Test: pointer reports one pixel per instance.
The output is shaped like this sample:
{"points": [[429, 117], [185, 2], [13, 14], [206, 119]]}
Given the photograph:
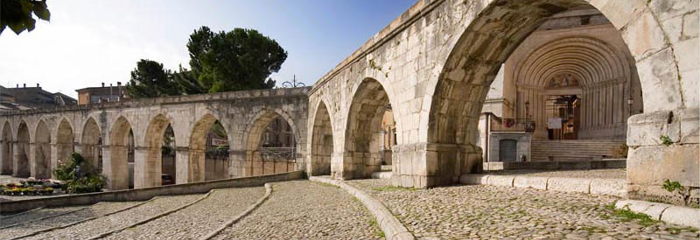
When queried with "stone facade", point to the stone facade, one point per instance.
{"points": [[34, 142], [434, 66]]}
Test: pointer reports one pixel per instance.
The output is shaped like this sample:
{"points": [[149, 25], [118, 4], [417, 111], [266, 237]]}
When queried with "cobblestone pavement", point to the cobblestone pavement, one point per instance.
{"points": [[491, 212], [104, 224], [34, 214], [83, 213], [199, 219], [595, 173], [306, 210]]}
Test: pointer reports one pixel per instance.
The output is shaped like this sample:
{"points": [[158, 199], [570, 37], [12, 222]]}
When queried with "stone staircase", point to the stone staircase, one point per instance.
{"points": [[385, 173], [573, 150]]}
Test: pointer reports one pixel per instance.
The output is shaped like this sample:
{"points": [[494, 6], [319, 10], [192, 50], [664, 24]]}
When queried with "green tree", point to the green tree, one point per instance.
{"points": [[150, 79], [17, 14], [187, 82], [241, 59]]}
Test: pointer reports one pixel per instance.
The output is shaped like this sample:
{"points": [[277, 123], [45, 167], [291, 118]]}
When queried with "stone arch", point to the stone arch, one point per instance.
{"points": [[471, 66], [91, 142], [21, 164], [6, 149], [363, 134], [321, 141], [196, 167], [42, 151], [149, 172], [117, 168], [255, 164], [64, 141]]}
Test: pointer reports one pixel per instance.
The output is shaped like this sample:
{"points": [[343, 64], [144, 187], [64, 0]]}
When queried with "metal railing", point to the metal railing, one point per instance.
{"points": [[278, 154]]}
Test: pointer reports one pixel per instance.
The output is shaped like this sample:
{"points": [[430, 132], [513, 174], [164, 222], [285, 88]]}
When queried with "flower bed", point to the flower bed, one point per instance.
{"points": [[31, 187]]}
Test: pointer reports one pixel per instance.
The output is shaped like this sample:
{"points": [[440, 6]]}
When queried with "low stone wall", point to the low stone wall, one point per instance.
{"points": [[145, 193], [561, 165], [613, 187]]}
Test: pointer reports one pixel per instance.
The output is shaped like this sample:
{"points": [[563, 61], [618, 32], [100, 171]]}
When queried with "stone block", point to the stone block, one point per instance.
{"points": [[690, 126], [682, 216], [646, 129], [686, 53], [613, 187], [531, 182], [654, 210], [651, 165], [497, 180], [580, 185], [665, 9], [690, 25], [643, 35], [474, 179], [691, 88], [658, 72]]}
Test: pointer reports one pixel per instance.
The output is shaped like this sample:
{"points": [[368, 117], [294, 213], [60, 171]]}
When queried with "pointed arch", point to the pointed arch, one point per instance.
{"points": [[151, 170], [197, 167], [64, 141], [6, 150], [91, 143], [21, 164], [117, 168], [321, 141], [281, 156], [41, 163]]}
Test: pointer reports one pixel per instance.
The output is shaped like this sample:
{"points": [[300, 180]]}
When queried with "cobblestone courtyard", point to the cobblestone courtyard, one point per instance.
{"points": [[490, 212], [309, 210]]}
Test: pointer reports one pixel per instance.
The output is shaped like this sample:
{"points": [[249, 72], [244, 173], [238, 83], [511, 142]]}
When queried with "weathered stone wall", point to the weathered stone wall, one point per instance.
{"points": [[190, 117], [436, 62]]}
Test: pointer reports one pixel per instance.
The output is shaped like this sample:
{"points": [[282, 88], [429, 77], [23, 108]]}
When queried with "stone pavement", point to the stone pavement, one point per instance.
{"points": [[306, 210], [491, 212], [197, 220], [98, 226]]}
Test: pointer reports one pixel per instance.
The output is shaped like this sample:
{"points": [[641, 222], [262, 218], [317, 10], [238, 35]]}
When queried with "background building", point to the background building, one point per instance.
{"points": [[22, 98], [95, 95]]}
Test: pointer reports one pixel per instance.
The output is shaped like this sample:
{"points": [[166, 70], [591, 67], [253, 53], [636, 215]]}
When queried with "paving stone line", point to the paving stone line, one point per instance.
{"points": [[20, 214], [612, 187], [43, 218], [82, 221], [392, 227], [153, 217], [268, 192]]}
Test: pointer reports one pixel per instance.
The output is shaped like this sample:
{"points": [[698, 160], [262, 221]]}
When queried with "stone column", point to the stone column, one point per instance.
{"points": [[115, 167], [147, 167]]}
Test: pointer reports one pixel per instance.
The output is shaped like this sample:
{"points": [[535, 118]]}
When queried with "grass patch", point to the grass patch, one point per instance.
{"points": [[393, 189], [379, 231], [627, 215]]}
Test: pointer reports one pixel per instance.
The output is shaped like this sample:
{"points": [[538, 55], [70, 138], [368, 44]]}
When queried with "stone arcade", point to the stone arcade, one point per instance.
{"points": [[433, 68]]}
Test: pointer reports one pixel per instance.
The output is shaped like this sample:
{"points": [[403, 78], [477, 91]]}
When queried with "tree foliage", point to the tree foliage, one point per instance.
{"points": [[241, 59], [17, 14], [149, 79]]}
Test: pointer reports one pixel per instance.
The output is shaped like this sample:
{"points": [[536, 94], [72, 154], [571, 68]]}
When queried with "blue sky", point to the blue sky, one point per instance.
{"points": [[89, 42]]}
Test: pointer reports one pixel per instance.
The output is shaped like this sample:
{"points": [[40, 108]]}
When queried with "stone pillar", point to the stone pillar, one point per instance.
{"points": [[432, 164], [147, 167], [116, 167], [650, 162], [237, 163], [196, 171], [182, 167], [55, 161]]}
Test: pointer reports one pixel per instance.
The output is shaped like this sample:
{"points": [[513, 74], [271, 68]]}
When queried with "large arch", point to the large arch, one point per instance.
{"points": [[6, 149], [196, 167], [148, 171], [21, 151], [41, 163], [90, 144], [470, 69], [321, 142], [117, 168], [363, 135], [64, 142], [258, 160]]}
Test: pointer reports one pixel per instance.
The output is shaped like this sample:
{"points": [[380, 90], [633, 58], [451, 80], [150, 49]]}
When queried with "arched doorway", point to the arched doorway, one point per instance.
{"points": [[118, 170], [271, 145], [561, 68], [208, 151], [65, 142], [369, 119], [321, 142], [91, 144], [6, 149], [42, 151], [151, 171], [21, 165]]}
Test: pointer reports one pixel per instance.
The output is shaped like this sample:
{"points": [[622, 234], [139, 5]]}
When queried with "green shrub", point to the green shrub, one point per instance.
{"points": [[79, 176], [666, 140], [672, 186]]}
